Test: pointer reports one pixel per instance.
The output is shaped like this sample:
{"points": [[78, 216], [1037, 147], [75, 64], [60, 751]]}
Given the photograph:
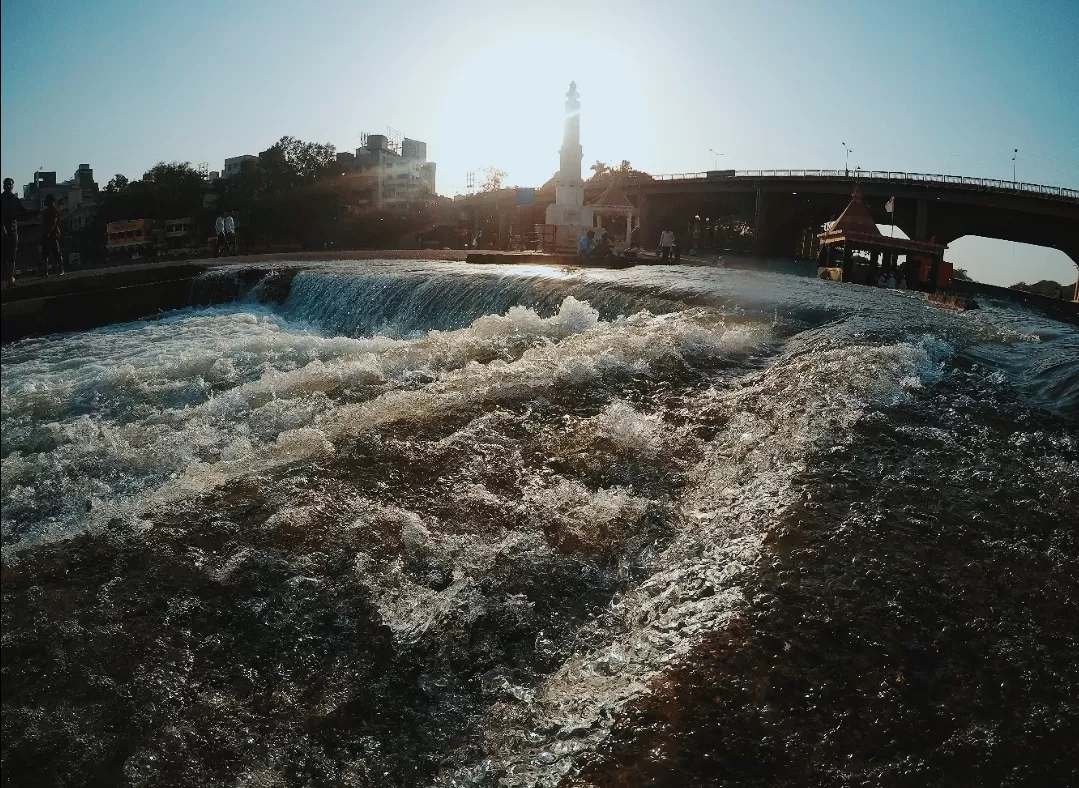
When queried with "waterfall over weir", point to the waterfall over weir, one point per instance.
{"points": [[405, 523]]}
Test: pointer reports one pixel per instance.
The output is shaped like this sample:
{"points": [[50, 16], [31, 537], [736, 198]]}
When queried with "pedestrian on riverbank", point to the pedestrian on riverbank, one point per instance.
{"points": [[666, 237], [676, 250], [219, 231], [50, 238], [230, 232], [11, 210]]}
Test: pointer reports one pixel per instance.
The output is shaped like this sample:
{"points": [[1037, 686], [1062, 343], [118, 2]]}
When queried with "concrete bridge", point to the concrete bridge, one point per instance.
{"points": [[784, 206]]}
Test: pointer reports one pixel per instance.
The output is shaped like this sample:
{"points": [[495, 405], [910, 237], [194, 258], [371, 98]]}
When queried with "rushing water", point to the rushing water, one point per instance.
{"points": [[431, 524]]}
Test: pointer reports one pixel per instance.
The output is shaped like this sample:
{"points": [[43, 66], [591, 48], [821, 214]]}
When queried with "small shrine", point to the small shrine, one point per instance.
{"points": [[614, 212], [855, 231]]}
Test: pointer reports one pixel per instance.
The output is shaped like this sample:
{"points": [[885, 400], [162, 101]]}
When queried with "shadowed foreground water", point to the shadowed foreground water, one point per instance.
{"points": [[419, 524]]}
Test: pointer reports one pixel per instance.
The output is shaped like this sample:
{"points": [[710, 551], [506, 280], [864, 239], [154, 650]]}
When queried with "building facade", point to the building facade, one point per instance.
{"points": [[233, 166], [402, 177], [129, 236]]}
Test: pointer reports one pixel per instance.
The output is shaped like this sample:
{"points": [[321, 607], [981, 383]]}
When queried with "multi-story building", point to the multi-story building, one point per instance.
{"points": [[235, 165], [129, 236], [403, 177], [44, 184], [76, 197], [84, 179], [178, 234]]}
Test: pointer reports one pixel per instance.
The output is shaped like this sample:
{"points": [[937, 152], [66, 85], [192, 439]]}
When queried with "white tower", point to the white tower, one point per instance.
{"points": [[568, 213]]}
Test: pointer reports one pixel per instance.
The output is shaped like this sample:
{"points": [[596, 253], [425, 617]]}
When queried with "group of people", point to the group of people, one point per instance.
{"points": [[591, 246], [11, 211], [603, 246], [893, 279], [225, 228]]}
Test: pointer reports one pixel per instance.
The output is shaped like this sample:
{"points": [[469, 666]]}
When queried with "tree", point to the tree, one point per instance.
{"points": [[117, 184], [492, 179], [962, 275], [168, 190], [290, 161], [604, 174], [1044, 287]]}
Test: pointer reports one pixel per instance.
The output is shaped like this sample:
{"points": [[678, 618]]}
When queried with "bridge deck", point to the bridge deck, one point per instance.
{"points": [[876, 176]]}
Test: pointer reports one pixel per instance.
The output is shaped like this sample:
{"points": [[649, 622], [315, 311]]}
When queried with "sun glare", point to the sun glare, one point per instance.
{"points": [[502, 106]]}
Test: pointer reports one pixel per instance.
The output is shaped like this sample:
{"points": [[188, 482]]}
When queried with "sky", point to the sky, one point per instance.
{"points": [[936, 87]]}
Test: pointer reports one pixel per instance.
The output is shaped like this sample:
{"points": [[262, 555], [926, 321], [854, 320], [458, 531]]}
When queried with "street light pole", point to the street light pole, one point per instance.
{"points": [[846, 160], [717, 155], [1014, 154]]}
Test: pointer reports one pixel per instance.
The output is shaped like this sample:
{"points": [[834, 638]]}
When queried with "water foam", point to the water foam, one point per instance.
{"points": [[741, 488], [117, 421]]}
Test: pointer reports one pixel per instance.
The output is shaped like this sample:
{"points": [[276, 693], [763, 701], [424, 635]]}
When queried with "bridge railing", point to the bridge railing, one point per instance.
{"points": [[883, 175]]}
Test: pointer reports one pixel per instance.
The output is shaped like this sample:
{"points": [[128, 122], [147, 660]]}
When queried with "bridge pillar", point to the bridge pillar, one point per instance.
{"points": [[648, 236], [760, 223], [921, 223]]}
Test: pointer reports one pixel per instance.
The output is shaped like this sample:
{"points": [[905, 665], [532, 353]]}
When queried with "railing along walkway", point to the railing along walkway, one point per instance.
{"points": [[914, 178]]}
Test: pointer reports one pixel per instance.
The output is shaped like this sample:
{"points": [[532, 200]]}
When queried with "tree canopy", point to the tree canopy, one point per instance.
{"points": [[168, 190], [289, 162], [1045, 287], [604, 173], [493, 179]]}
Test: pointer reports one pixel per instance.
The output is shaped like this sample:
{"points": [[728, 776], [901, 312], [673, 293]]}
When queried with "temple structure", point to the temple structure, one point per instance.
{"points": [[570, 217], [614, 212], [855, 231]]}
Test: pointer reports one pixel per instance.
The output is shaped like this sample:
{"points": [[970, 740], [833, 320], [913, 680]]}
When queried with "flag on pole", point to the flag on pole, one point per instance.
{"points": [[890, 205]]}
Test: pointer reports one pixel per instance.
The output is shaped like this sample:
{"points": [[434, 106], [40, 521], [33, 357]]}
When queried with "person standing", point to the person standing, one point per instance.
{"points": [[230, 232], [219, 230], [50, 237], [665, 245], [11, 210], [676, 250]]}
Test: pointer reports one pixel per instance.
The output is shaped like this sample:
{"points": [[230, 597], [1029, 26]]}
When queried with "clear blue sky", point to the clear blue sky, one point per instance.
{"points": [[942, 87]]}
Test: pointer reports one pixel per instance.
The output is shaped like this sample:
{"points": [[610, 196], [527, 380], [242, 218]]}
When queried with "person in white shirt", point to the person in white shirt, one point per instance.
{"points": [[230, 232], [219, 228], [666, 240]]}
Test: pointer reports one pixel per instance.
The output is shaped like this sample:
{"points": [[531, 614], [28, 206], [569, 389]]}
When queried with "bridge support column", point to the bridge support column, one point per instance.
{"points": [[649, 237], [921, 223], [760, 224]]}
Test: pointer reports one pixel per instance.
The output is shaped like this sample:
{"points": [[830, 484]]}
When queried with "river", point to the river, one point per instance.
{"points": [[412, 523]]}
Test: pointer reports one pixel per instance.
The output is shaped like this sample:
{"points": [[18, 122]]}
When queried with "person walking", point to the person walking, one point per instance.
{"points": [[230, 232], [11, 210], [219, 230], [50, 238], [676, 250]]}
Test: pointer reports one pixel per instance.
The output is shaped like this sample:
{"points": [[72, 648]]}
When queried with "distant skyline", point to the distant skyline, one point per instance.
{"points": [[941, 87]]}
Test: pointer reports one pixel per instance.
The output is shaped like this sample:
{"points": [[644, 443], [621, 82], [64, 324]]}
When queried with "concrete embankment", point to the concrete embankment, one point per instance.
{"points": [[96, 297], [88, 299]]}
